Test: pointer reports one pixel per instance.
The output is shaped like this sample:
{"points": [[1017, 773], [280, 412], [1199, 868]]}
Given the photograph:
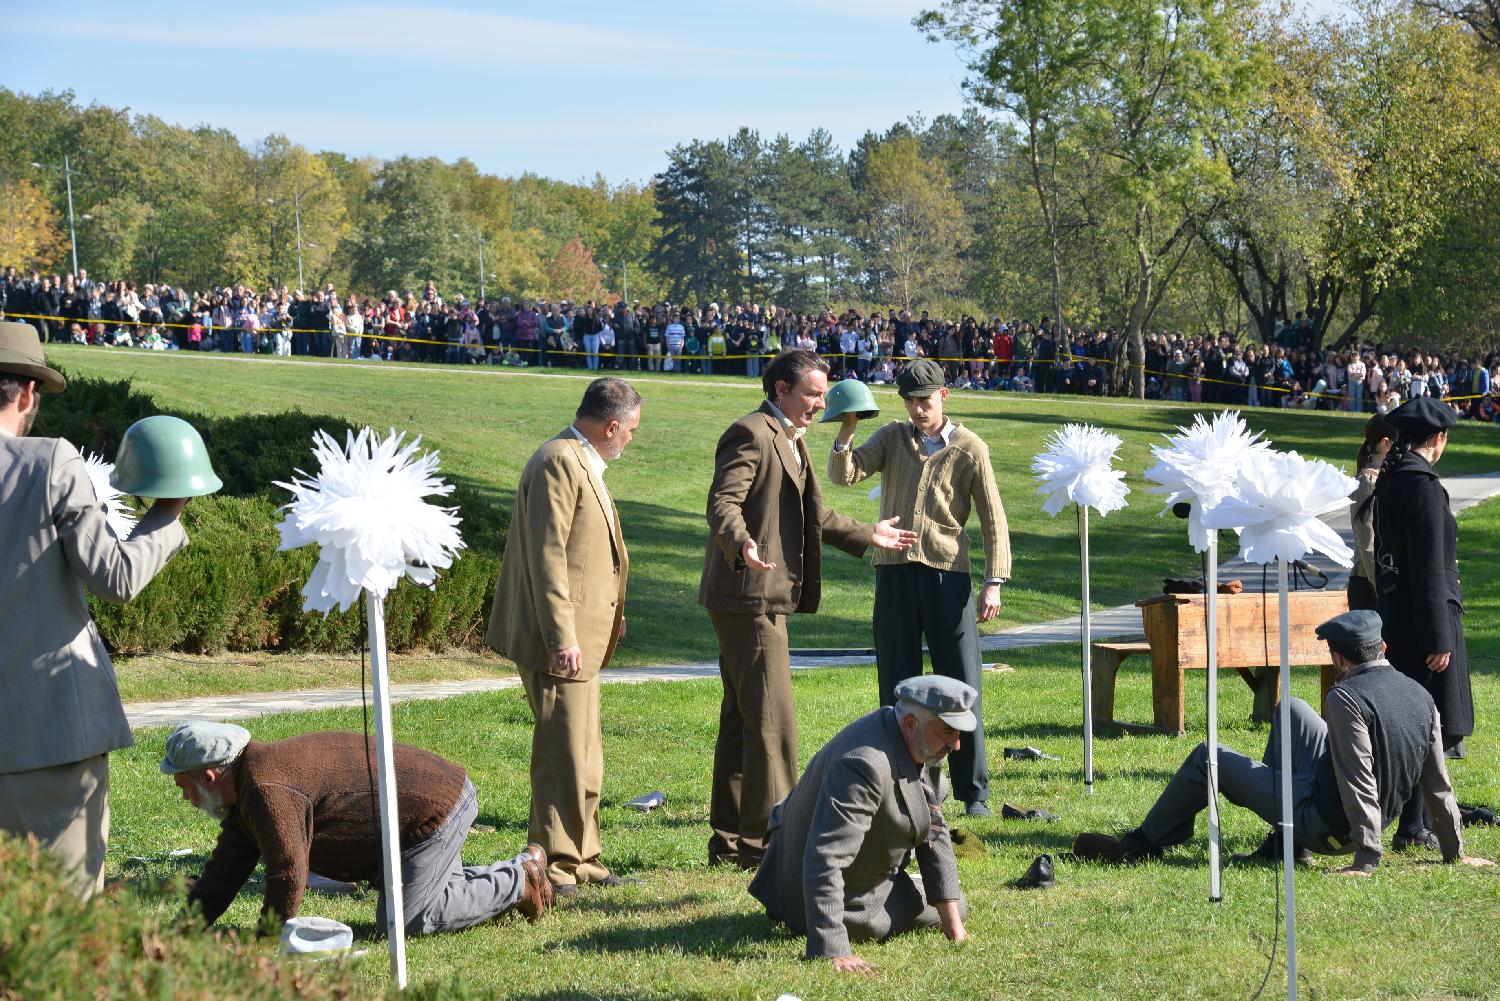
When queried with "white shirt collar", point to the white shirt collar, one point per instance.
{"points": [[6, 433], [595, 460], [945, 432], [792, 431]]}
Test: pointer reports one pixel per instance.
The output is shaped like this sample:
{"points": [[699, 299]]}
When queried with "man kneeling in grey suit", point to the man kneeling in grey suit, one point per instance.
{"points": [[869, 800], [307, 805]]}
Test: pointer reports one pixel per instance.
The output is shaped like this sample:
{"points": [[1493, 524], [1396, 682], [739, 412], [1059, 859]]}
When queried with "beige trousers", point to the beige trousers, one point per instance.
{"points": [[66, 807], [567, 775]]}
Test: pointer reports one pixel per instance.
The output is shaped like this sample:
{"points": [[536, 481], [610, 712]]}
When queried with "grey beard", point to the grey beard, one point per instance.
{"points": [[212, 804]]}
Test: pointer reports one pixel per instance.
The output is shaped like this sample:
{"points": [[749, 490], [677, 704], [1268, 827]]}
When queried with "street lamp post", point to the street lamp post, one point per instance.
{"points": [[479, 241], [297, 208], [72, 230]]}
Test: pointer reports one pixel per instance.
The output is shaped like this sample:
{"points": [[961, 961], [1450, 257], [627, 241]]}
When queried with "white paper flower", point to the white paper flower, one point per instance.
{"points": [[1278, 499], [365, 510], [121, 519], [1200, 466], [1076, 469]]}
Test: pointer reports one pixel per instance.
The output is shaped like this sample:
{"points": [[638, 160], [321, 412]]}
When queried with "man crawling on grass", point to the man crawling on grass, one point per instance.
{"points": [[307, 805]]}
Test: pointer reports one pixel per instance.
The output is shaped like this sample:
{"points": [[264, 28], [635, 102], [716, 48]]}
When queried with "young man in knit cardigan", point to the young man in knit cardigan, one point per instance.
{"points": [[933, 474]]}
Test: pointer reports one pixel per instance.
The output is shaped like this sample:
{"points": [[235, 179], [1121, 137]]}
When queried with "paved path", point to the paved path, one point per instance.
{"points": [[1464, 492]]}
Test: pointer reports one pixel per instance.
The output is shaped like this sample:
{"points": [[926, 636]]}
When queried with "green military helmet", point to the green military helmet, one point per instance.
{"points": [[163, 456], [849, 396]]}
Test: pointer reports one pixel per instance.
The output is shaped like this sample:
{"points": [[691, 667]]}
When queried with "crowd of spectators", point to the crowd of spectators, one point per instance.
{"points": [[986, 354]]}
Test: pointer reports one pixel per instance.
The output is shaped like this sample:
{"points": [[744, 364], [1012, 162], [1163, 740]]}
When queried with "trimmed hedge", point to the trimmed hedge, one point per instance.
{"points": [[54, 947], [230, 589]]}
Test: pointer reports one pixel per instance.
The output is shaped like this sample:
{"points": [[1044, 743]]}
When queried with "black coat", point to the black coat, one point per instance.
{"points": [[1421, 600]]}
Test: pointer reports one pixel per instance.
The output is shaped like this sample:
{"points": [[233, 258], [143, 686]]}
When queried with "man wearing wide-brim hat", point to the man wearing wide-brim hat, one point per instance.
{"points": [[56, 679]]}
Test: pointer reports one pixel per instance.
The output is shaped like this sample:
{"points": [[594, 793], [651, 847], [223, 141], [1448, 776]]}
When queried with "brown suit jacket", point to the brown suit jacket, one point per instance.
{"points": [[56, 681], [562, 582], [759, 493]]}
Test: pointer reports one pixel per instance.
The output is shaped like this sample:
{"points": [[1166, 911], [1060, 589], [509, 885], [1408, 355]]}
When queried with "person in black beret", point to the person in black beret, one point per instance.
{"points": [[1417, 584], [1376, 743]]}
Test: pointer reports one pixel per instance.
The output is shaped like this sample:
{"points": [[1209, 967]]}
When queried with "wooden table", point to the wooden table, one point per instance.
{"points": [[1249, 637]]}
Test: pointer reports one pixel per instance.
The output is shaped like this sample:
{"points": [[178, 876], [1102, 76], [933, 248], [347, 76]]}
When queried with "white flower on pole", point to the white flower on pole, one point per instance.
{"points": [[1200, 466], [367, 512], [1279, 497], [1077, 469], [121, 519]]}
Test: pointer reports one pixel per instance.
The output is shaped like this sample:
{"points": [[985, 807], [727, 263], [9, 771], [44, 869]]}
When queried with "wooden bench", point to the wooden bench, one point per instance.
{"points": [[1249, 631], [1104, 664]]}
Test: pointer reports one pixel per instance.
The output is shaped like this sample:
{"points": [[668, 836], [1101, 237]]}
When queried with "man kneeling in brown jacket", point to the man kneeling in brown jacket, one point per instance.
{"points": [[306, 805]]}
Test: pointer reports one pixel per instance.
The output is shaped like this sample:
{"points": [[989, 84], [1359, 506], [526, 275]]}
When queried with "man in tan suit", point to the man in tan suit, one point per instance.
{"points": [[766, 527], [63, 712], [559, 611]]}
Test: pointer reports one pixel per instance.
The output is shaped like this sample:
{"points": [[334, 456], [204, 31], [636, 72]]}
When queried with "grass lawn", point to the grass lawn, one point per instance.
{"points": [[487, 423], [167, 677], [1416, 929]]}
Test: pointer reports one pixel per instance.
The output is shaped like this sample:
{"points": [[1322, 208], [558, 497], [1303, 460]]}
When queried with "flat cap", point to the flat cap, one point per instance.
{"points": [[1351, 630], [201, 744], [949, 698], [1422, 416], [922, 377]]}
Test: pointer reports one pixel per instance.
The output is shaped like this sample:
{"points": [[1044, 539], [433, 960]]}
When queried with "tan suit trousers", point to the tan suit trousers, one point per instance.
{"points": [[755, 758], [67, 808], [567, 775]]}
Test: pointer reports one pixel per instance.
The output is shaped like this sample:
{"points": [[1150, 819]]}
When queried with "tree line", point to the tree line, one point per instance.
{"points": [[1204, 165]]}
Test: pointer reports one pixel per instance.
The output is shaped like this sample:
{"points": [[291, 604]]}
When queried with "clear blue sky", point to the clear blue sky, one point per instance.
{"points": [[564, 89]]}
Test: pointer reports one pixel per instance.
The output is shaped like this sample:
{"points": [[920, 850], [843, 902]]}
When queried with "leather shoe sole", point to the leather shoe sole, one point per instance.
{"points": [[539, 894], [1092, 847]]}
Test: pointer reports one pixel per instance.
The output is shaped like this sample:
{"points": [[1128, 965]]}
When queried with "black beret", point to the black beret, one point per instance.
{"points": [[1422, 417]]}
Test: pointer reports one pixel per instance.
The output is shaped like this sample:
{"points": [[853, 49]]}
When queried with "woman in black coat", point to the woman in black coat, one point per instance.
{"points": [[1416, 576]]}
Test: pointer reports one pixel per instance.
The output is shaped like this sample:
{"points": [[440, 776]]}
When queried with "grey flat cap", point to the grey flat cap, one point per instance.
{"points": [[201, 744], [949, 698], [1351, 630]]}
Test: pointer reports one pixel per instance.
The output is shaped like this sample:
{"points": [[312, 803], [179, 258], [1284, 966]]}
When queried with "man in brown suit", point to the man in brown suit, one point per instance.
{"points": [[559, 611], [63, 712], [766, 526]]}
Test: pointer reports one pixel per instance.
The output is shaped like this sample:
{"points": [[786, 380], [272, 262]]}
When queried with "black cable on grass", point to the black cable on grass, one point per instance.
{"points": [[364, 712]]}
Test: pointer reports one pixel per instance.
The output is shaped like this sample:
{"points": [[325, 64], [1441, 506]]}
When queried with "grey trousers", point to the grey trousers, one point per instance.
{"points": [[1254, 785], [440, 893], [67, 808], [913, 601]]}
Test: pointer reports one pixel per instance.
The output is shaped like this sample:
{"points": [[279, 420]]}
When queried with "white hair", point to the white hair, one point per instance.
{"points": [[906, 707]]}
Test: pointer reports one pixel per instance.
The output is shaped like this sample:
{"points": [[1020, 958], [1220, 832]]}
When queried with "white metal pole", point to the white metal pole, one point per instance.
{"points": [[72, 232], [386, 765], [1288, 849], [479, 235], [1086, 637], [1211, 605]]}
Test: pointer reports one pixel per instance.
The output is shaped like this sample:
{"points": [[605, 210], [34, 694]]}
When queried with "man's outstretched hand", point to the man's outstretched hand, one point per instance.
{"points": [[888, 536], [750, 553]]}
